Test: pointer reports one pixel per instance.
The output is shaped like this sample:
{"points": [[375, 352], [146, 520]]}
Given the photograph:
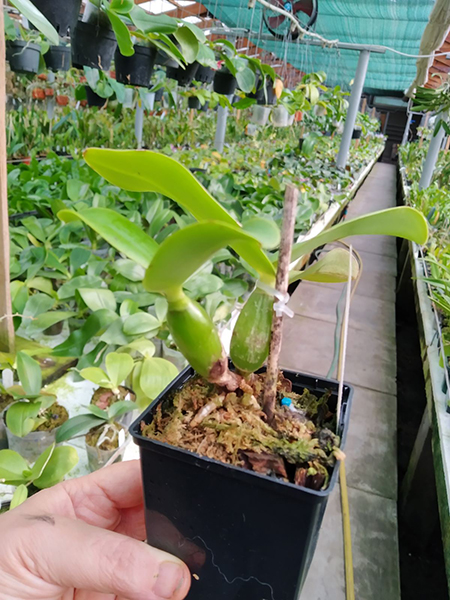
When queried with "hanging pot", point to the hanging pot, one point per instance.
{"points": [[164, 60], [205, 107], [137, 69], [194, 103], [93, 99], [92, 46], [23, 57], [159, 95], [58, 58], [260, 114], [280, 116], [224, 82], [356, 133], [62, 100], [187, 75], [128, 101], [209, 513], [265, 94], [204, 74], [61, 14]]}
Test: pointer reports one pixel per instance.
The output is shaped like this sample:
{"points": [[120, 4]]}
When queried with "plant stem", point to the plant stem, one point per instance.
{"points": [[282, 283]]}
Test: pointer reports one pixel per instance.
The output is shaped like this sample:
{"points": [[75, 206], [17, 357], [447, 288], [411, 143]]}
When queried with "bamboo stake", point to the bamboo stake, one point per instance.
{"points": [[6, 322], [363, 106], [447, 144], [282, 283]]}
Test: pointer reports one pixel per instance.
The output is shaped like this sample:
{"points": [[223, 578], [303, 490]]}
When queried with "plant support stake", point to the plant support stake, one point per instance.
{"points": [[6, 322], [432, 156], [282, 283]]}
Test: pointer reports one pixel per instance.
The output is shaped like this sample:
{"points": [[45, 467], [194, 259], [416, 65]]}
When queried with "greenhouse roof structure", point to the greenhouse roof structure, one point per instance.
{"points": [[398, 24]]}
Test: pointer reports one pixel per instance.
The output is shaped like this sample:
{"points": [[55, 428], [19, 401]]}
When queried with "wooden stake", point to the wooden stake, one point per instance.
{"points": [[191, 116], [373, 113], [447, 144], [6, 321], [363, 106], [282, 283]]}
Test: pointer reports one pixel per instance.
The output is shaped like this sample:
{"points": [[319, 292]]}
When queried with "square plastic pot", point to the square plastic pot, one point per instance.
{"points": [[280, 116], [244, 535], [224, 82], [204, 74], [194, 103], [92, 46], [31, 446], [62, 15], [98, 458], [260, 114], [137, 69], [356, 134], [23, 57]]}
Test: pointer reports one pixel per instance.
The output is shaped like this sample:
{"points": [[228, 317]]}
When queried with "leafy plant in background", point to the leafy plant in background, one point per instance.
{"points": [[49, 469]]}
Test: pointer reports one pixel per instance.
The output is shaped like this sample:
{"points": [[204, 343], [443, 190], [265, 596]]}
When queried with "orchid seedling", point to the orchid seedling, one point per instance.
{"points": [[169, 265]]}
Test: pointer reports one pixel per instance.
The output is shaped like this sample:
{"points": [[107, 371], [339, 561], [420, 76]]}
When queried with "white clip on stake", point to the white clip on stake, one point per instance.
{"points": [[280, 307]]}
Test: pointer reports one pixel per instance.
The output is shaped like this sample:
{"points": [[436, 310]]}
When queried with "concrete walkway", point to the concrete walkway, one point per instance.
{"points": [[371, 445]]}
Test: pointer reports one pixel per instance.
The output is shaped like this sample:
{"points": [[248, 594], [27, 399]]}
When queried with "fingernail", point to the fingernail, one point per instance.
{"points": [[170, 580]]}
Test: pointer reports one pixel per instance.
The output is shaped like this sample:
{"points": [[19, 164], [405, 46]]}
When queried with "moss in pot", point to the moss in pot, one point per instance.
{"points": [[202, 486]]}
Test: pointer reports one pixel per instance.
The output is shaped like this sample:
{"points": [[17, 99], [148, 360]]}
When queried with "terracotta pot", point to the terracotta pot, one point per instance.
{"points": [[42, 77], [83, 103], [38, 94], [49, 92], [62, 100]]}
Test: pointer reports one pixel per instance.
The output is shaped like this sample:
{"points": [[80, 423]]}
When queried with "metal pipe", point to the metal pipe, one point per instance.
{"points": [[432, 156], [407, 126], [352, 111], [222, 116], [139, 123]]}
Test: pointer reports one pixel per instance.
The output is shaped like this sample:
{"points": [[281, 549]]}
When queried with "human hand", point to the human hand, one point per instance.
{"points": [[79, 540]]}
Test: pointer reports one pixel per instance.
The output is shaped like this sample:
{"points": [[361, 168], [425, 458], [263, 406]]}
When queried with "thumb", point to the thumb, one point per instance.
{"points": [[73, 554]]}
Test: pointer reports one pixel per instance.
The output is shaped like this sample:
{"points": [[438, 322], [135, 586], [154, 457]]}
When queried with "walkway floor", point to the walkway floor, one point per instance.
{"points": [[371, 445]]}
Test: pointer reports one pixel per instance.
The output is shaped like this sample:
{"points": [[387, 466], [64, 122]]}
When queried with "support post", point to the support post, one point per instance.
{"points": [[139, 123], [222, 116], [352, 111], [432, 156], [407, 126], [6, 321]]}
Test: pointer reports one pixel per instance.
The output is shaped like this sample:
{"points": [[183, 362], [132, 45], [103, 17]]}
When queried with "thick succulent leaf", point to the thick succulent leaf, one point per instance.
{"points": [[118, 367], [21, 417], [267, 232], [402, 221], [186, 250], [13, 468], [62, 460], [19, 496], [147, 171], [76, 426], [29, 372], [330, 268], [118, 231], [155, 376]]}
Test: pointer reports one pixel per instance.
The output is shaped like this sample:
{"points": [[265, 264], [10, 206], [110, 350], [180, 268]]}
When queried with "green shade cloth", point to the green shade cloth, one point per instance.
{"points": [[395, 23]]}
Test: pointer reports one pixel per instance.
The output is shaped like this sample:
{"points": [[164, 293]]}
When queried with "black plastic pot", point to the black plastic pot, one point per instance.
{"points": [[205, 107], [159, 95], [61, 14], [204, 74], [224, 82], [356, 134], [172, 72], [92, 46], [300, 143], [265, 94], [187, 75], [194, 102], [58, 58], [23, 57], [136, 69], [244, 535], [93, 99]]}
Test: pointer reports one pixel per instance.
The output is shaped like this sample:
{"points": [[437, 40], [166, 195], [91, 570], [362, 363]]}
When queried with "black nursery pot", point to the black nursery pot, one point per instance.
{"points": [[23, 57], [93, 99], [136, 69], [244, 535], [204, 74], [58, 58], [224, 82], [61, 14], [265, 95], [92, 46], [159, 95], [194, 102], [356, 134]]}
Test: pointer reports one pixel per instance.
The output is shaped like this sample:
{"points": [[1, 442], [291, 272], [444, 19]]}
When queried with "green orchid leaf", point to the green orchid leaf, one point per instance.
{"points": [[35, 16], [147, 171], [19, 496], [122, 32], [121, 408], [21, 417], [93, 326], [152, 23], [48, 319], [69, 289], [118, 367], [97, 299], [188, 42], [14, 469], [155, 376], [39, 466], [267, 232], [122, 7], [145, 347], [96, 375], [98, 412], [141, 323], [186, 250], [118, 231], [246, 80], [62, 461], [76, 426], [402, 221], [29, 372], [330, 268]]}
